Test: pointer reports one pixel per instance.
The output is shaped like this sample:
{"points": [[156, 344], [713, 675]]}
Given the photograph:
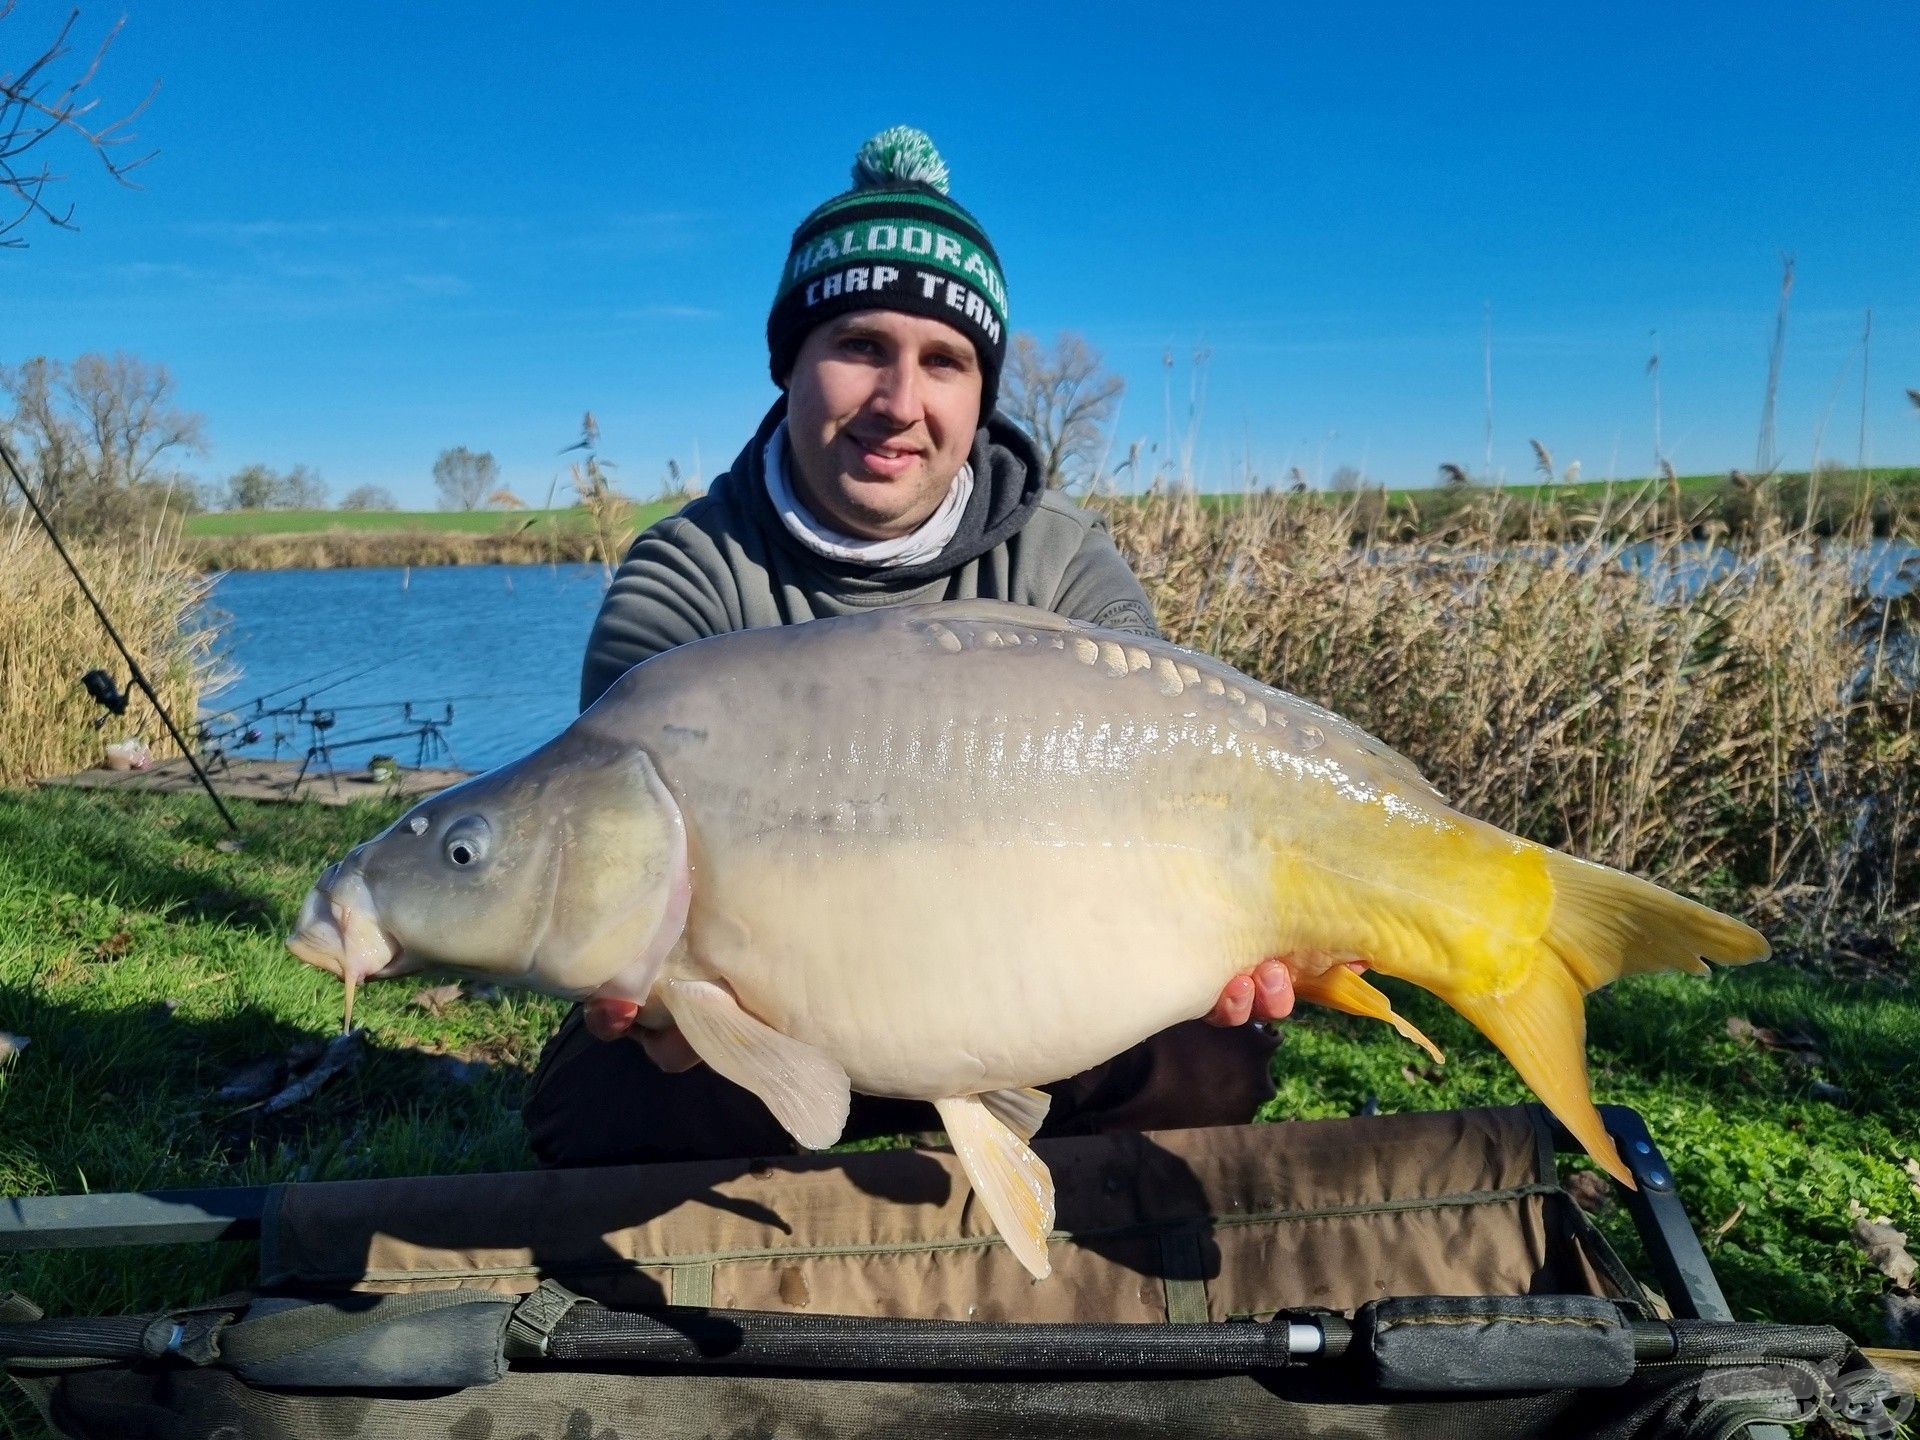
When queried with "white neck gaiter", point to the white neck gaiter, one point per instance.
{"points": [[910, 549]]}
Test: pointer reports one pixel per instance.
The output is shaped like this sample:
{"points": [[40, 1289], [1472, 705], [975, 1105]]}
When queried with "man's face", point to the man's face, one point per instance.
{"points": [[881, 412]]}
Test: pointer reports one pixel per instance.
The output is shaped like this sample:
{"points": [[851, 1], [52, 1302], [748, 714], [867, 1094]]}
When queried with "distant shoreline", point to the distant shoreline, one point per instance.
{"points": [[1712, 507]]}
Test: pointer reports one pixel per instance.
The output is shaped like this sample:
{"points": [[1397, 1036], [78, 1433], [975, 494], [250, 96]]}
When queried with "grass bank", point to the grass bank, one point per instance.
{"points": [[334, 539], [49, 638], [1719, 508], [145, 965]]}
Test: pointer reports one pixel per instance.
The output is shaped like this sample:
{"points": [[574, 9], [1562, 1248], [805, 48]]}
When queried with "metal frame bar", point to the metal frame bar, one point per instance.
{"points": [[149, 1217]]}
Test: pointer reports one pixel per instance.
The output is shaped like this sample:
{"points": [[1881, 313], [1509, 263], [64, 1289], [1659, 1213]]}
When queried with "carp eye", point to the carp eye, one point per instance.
{"points": [[466, 842]]}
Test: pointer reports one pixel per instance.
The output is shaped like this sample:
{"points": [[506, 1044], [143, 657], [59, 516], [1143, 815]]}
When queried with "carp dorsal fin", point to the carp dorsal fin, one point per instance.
{"points": [[992, 612], [1011, 1181], [804, 1087]]}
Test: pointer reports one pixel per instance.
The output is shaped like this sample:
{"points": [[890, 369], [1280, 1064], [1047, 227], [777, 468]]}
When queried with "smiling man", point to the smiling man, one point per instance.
{"points": [[881, 476]]}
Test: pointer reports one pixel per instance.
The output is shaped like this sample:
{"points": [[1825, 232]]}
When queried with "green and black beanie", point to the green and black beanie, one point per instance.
{"points": [[895, 241]]}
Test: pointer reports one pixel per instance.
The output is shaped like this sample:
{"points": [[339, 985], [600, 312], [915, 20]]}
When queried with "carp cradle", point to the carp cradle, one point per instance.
{"points": [[363, 1324]]}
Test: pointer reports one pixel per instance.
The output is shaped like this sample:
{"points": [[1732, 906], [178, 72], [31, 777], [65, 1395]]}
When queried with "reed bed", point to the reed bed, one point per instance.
{"points": [[343, 549], [1742, 726], [49, 637]]}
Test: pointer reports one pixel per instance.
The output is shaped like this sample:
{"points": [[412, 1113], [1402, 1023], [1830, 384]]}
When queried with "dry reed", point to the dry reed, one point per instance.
{"points": [[49, 637], [343, 549], [1721, 724]]}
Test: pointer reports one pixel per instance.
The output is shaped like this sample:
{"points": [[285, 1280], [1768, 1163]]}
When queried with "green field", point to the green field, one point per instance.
{"points": [[145, 964], [1899, 487], [471, 522]]}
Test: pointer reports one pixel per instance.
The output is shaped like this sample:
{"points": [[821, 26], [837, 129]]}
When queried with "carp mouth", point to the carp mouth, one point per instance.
{"points": [[337, 932]]}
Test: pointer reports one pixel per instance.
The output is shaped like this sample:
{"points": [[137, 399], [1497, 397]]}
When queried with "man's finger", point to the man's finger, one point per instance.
{"points": [[1235, 1005], [609, 1019], [1273, 991]]}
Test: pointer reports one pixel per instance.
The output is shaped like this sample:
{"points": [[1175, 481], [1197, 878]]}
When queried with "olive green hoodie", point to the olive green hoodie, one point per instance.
{"points": [[726, 562]]}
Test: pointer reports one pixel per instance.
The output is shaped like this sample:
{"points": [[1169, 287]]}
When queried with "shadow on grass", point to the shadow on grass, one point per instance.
{"points": [[164, 854]]}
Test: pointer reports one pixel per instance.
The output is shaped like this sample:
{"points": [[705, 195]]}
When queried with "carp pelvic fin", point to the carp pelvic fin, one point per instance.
{"points": [[804, 1087], [1341, 989], [1022, 1111], [1012, 1182]]}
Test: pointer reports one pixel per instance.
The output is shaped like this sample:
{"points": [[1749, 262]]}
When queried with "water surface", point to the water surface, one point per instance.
{"points": [[500, 644]]}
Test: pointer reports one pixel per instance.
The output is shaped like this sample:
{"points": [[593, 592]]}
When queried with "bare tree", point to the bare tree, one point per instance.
{"points": [[1064, 400], [37, 110], [99, 438], [368, 497], [261, 487], [465, 477]]}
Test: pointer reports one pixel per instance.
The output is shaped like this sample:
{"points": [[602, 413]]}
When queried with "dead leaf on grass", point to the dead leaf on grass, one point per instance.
{"points": [[342, 1053], [1793, 1039], [114, 946], [1590, 1191], [1732, 1220], [1885, 1246], [436, 1000]]}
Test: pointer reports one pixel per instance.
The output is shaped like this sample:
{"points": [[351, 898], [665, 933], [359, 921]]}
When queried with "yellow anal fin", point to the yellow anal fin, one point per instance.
{"points": [[1343, 990], [1011, 1181], [1541, 1027]]}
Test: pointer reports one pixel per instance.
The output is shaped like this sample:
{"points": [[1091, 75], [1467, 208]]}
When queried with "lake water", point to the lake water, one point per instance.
{"points": [[500, 644]]}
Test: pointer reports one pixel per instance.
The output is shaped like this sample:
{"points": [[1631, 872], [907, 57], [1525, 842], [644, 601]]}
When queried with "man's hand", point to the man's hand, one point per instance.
{"points": [[610, 1019], [1266, 994]]}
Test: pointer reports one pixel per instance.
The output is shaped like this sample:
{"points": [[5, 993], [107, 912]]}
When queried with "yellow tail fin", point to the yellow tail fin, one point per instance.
{"points": [[1603, 925]]}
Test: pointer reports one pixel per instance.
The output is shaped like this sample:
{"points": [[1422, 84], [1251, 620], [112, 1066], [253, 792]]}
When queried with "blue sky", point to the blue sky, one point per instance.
{"points": [[373, 232]]}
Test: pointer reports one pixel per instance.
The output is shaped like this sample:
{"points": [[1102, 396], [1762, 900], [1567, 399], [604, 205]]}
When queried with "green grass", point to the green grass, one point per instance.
{"points": [[1587, 494], [113, 906], [475, 522]]}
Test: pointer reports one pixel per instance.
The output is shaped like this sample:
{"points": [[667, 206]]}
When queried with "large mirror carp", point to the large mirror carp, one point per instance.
{"points": [[954, 852]]}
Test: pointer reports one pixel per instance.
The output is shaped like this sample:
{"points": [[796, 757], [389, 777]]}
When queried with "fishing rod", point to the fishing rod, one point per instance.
{"points": [[294, 707], [267, 695], [430, 700], [138, 675], [209, 737]]}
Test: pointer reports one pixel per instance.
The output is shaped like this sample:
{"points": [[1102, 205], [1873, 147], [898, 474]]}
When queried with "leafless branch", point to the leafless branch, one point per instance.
{"points": [[36, 108], [1064, 401]]}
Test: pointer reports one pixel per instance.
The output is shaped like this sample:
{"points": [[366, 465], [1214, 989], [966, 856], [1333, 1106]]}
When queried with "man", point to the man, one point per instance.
{"points": [[883, 476]]}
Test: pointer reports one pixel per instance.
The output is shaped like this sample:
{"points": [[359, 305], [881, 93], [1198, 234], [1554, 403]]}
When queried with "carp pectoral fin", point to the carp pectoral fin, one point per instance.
{"points": [[1542, 1028], [1022, 1111], [1343, 990], [804, 1087], [1011, 1181]]}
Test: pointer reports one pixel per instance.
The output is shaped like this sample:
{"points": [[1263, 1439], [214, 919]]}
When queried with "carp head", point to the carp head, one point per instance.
{"points": [[564, 872]]}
